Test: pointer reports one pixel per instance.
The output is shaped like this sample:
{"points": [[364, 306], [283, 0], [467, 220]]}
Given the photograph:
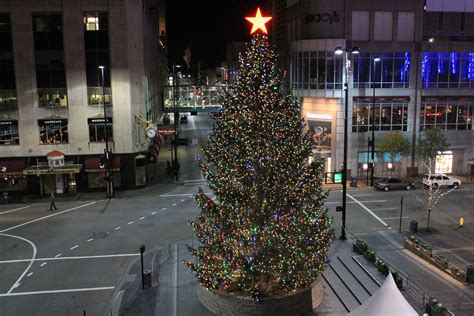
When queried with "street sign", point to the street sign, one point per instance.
{"points": [[337, 177]]}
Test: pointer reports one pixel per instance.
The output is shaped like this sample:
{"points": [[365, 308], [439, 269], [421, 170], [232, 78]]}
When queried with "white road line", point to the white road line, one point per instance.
{"points": [[74, 247], [89, 240], [182, 200], [143, 217], [35, 250], [58, 255], [373, 201], [117, 228], [175, 195], [73, 258], [385, 208], [48, 216], [164, 208], [394, 217], [130, 223], [59, 291], [174, 204], [29, 274], [17, 285], [153, 213], [43, 264], [16, 209], [368, 210], [359, 195]]}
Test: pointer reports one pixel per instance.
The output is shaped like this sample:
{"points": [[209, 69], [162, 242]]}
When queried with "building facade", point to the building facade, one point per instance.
{"points": [[416, 57], [53, 92]]}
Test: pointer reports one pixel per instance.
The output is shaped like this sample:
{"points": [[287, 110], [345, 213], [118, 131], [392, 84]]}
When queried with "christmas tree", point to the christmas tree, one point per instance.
{"points": [[267, 232]]}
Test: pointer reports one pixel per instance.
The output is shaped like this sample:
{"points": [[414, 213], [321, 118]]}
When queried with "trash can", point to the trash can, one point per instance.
{"points": [[5, 198], [413, 226], [353, 182], [147, 278]]}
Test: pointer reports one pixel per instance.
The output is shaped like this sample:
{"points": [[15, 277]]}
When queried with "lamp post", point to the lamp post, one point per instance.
{"points": [[108, 176], [340, 51], [175, 165], [372, 141]]}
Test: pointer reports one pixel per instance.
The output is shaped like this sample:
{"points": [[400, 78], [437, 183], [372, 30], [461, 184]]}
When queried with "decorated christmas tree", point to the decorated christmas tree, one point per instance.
{"points": [[266, 233]]}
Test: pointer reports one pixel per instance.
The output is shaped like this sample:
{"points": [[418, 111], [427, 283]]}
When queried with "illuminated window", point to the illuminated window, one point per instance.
{"points": [[387, 114], [91, 23], [9, 132], [53, 131], [446, 113]]}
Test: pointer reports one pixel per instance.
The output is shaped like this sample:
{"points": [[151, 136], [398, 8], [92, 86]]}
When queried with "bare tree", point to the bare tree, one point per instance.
{"points": [[427, 149]]}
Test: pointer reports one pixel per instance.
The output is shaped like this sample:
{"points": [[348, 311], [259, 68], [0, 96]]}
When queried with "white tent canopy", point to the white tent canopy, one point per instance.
{"points": [[385, 301]]}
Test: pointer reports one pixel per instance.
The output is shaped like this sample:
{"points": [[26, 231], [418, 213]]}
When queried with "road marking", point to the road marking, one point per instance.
{"points": [[469, 196], [117, 228], [385, 208], [183, 200], [16, 209], [58, 255], [73, 258], [74, 247], [373, 201], [143, 217], [130, 223], [35, 251], [368, 210], [17, 285], [48, 216], [43, 264], [397, 217], [153, 213], [164, 208], [89, 240], [29, 274], [59, 291], [174, 281], [174, 195], [359, 195], [174, 204], [214, 198]]}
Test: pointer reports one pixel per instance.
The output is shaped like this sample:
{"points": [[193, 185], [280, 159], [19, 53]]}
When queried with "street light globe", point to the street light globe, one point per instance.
{"points": [[355, 50], [376, 59], [101, 67], [338, 50]]}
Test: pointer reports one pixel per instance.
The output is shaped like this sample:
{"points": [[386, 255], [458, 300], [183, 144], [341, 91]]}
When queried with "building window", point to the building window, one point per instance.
{"points": [[386, 114], [316, 70], [446, 113], [96, 42], [97, 131], [447, 70], [53, 131], [49, 59], [9, 133], [406, 26], [392, 71], [383, 24], [360, 25], [7, 70]]}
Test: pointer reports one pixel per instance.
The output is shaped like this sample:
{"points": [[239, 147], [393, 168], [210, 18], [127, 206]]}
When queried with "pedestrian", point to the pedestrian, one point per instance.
{"points": [[51, 199]]}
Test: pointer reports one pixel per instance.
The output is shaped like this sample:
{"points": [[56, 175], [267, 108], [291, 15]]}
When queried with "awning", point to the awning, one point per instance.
{"points": [[12, 167], [66, 169], [92, 164]]}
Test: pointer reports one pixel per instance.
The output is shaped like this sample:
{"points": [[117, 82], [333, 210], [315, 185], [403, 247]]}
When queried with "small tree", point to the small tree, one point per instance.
{"points": [[427, 149], [395, 145]]}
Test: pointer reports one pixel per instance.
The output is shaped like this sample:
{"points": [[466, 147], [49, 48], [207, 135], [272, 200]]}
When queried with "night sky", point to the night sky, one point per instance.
{"points": [[207, 27]]}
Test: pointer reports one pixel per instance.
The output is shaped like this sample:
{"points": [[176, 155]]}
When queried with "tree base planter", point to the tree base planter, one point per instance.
{"points": [[296, 303]]}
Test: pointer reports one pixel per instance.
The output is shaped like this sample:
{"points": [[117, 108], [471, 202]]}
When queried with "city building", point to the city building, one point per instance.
{"points": [[416, 57], [53, 91]]}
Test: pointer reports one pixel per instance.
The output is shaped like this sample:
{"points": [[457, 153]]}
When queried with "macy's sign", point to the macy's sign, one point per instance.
{"points": [[322, 17]]}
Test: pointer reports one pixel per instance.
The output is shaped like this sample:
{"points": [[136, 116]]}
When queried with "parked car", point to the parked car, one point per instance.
{"points": [[390, 183], [441, 180]]}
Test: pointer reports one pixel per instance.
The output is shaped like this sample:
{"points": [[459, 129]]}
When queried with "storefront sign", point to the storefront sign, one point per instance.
{"points": [[324, 117], [382, 99], [9, 123], [448, 99], [52, 121], [99, 121], [322, 17]]}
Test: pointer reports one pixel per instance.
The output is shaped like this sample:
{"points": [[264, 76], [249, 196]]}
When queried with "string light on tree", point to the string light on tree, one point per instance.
{"points": [[267, 232]]}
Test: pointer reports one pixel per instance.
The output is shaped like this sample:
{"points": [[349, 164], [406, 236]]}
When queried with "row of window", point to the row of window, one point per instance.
{"points": [[455, 115], [381, 116], [316, 70], [55, 131]]}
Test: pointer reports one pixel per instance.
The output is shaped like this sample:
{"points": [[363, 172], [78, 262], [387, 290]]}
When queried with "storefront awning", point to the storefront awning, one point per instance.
{"points": [[92, 164], [12, 167], [38, 170]]}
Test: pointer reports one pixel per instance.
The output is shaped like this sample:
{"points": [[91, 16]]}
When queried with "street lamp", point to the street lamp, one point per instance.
{"points": [[108, 176], [175, 166], [340, 51], [372, 141]]}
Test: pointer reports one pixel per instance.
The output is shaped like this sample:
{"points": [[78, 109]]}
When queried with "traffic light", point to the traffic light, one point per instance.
{"points": [[102, 162]]}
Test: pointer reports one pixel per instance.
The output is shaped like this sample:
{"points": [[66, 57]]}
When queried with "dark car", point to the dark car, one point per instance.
{"points": [[390, 183]]}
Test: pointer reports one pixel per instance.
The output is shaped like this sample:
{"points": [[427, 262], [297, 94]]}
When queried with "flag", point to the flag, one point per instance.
{"points": [[187, 56]]}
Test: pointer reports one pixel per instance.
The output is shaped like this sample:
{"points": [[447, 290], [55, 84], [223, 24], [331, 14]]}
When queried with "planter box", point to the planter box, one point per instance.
{"points": [[296, 303]]}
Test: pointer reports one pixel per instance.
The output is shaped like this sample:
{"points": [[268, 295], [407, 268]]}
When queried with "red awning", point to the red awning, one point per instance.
{"points": [[92, 164], [12, 167]]}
